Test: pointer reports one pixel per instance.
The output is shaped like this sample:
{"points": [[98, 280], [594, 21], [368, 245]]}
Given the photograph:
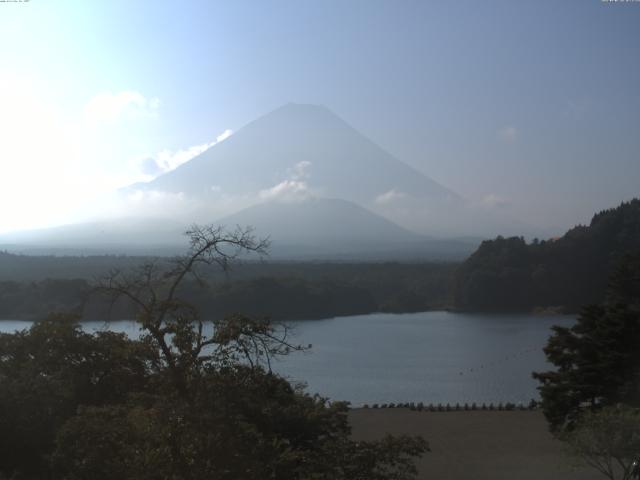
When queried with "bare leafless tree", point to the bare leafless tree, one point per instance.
{"points": [[174, 326]]}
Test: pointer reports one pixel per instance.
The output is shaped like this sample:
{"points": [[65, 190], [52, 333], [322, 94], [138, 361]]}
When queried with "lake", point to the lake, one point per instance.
{"points": [[430, 357]]}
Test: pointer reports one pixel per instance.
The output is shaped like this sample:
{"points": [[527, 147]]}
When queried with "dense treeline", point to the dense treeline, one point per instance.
{"points": [[509, 274], [32, 268], [281, 291], [32, 300]]}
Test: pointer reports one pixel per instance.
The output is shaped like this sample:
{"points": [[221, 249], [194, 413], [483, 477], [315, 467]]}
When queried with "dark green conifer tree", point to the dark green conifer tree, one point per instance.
{"points": [[598, 359]]}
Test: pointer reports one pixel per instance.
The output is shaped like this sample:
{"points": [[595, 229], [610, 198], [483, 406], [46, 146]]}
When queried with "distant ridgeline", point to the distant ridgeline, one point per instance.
{"points": [[507, 274]]}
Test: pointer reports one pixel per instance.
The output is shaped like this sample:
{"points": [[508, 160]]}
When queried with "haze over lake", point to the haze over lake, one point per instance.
{"points": [[433, 357]]}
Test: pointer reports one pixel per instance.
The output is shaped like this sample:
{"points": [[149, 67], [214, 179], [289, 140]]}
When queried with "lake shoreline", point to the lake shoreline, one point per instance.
{"points": [[537, 311], [430, 357]]}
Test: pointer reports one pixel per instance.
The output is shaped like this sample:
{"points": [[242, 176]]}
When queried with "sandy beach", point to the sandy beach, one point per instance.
{"points": [[477, 445]]}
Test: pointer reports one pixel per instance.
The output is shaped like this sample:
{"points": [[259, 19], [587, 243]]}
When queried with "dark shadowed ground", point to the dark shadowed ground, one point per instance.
{"points": [[477, 445]]}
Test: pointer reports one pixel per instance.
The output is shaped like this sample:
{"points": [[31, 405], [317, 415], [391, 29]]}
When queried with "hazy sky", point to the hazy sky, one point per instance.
{"points": [[529, 106]]}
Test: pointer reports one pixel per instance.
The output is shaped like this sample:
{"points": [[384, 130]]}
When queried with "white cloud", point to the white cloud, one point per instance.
{"points": [[508, 134], [141, 203], [166, 160], [287, 191], [292, 189], [300, 170], [492, 200], [389, 197], [224, 135], [173, 206], [107, 107]]}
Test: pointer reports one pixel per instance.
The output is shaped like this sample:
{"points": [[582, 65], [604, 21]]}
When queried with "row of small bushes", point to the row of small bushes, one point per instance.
{"points": [[457, 407]]}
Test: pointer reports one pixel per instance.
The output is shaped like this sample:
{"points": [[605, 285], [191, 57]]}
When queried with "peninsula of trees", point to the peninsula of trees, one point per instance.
{"points": [[560, 274]]}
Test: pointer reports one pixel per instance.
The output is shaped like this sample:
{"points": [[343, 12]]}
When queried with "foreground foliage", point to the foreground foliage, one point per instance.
{"points": [[598, 359], [589, 400], [189, 400], [609, 441]]}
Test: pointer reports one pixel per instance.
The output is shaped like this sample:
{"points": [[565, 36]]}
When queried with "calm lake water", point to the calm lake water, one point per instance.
{"points": [[430, 357]]}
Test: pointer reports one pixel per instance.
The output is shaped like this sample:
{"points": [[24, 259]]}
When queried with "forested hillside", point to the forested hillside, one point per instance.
{"points": [[278, 290], [563, 273]]}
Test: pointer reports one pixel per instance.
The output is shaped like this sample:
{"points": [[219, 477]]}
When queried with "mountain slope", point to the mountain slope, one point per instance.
{"points": [[303, 143], [275, 166], [307, 149], [316, 228], [123, 235], [320, 221]]}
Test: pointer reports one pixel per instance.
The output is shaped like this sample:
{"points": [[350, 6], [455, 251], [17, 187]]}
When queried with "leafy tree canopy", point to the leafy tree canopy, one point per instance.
{"points": [[189, 400], [609, 441]]}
